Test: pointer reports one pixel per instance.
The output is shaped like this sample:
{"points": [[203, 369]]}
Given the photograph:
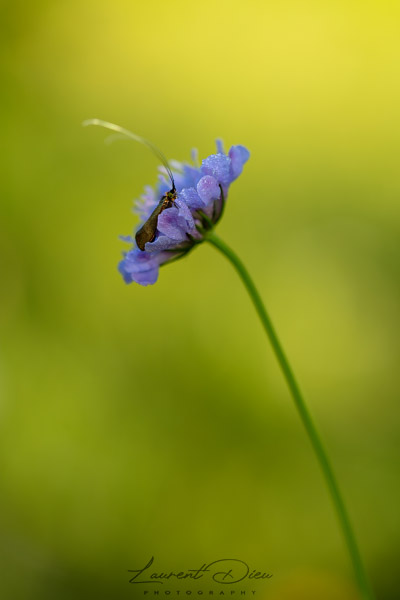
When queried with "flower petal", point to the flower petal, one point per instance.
{"points": [[127, 238], [208, 189], [219, 166], [220, 146], [162, 242], [191, 198], [171, 224], [194, 155], [185, 213], [147, 278], [139, 267], [238, 155]]}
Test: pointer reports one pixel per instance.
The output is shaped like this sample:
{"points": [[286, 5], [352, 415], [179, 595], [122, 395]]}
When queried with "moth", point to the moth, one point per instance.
{"points": [[147, 231]]}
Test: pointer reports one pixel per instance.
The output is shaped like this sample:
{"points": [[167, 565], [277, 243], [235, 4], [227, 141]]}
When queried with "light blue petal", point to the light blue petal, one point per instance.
{"points": [[185, 213], [219, 166], [172, 225], [238, 155], [208, 189], [191, 198]]}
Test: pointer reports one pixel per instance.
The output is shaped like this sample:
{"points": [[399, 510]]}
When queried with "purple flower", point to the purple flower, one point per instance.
{"points": [[197, 204]]}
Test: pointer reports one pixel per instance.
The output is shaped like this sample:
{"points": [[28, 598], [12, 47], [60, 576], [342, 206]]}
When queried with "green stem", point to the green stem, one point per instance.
{"points": [[360, 574]]}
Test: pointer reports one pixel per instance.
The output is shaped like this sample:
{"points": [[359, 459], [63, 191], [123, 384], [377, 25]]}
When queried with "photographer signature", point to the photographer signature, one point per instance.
{"points": [[223, 571]]}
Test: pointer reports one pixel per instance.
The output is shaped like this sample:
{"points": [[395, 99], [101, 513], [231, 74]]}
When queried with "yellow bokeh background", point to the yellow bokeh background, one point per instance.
{"points": [[155, 421]]}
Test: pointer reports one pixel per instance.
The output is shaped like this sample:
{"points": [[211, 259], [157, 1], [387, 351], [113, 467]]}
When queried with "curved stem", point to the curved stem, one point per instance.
{"points": [[361, 577]]}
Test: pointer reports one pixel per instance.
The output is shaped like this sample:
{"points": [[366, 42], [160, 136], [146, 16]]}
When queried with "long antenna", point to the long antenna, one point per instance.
{"points": [[135, 137]]}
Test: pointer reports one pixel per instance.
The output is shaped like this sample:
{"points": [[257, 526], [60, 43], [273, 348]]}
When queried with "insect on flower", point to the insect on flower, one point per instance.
{"points": [[147, 231], [174, 218]]}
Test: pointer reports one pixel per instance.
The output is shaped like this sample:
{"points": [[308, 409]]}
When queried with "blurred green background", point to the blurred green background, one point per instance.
{"points": [[155, 421]]}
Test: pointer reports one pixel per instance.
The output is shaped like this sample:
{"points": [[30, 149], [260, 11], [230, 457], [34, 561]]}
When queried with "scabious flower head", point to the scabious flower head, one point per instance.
{"points": [[199, 203]]}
